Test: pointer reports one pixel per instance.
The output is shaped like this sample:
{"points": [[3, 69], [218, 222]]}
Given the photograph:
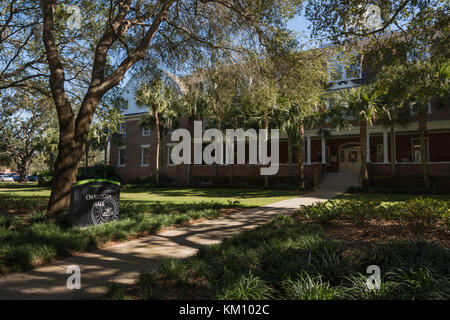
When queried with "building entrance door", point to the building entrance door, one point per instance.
{"points": [[350, 158]]}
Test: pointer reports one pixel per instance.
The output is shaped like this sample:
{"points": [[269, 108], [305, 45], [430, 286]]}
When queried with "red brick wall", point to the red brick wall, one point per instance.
{"points": [[439, 152]]}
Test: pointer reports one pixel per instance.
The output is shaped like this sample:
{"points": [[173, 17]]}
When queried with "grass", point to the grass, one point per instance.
{"points": [[245, 197], [29, 238], [295, 260]]}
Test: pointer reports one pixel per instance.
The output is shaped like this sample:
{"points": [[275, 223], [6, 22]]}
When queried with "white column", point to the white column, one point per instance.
{"points": [[308, 149], [324, 151], [385, 147], [368, 147]]}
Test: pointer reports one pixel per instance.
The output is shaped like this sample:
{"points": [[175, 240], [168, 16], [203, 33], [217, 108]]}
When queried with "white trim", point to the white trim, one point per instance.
{"points": [[118, 156], [145, 134], [413, 126], [308, 142]]}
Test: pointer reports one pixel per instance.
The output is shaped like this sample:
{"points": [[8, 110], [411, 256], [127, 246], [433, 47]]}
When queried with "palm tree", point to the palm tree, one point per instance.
{"points": [[393, 115], [417, 83], [157, 97], [360, 105]]}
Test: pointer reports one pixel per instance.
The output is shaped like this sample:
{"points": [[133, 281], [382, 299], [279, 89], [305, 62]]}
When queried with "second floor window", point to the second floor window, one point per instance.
{"points": [[145, 131], [341, 71], [123, 129]]}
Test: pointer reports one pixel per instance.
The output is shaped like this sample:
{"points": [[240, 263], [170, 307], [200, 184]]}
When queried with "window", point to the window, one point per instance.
{"points": [[416, 154], [145, 155], [339, 70], [169, 155], [335, 72], [121, 156], [145, 131], [380, 153], [123, 129]]}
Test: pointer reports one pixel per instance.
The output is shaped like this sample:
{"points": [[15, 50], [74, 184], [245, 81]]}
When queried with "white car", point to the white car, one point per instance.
{"points": [[6, 179]]}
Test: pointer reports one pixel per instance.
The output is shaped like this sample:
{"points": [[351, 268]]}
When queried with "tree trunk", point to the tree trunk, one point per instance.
{"points": [[74, 129], [64, 171], [22, 168], [86, 154], [363, 141], [158, 144], [301, 155], [423, 150], [393, 151]]}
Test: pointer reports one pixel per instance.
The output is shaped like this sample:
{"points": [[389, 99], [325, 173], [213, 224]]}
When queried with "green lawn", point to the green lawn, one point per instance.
{"points": [[28, 237], [245, 197]]}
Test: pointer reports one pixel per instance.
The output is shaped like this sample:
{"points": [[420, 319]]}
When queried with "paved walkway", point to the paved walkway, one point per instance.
{"points": [[124, 262]]}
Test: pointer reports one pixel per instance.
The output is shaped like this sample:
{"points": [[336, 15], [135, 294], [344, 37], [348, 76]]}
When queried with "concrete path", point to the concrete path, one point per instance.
{"points": [[124, 262]]}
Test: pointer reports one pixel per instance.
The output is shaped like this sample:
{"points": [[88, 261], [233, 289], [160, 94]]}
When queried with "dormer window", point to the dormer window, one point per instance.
{"points": [[340, 71]]}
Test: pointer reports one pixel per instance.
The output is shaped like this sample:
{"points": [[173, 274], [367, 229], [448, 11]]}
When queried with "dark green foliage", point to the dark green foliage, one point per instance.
{"points": [[98, 172], [32, 238], [288, 259], [116, 291], [410, 182], [45, 178], [417, 214]]}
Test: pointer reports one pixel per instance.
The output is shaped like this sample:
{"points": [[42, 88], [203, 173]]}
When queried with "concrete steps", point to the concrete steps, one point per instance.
{"points": [[339, 181]]}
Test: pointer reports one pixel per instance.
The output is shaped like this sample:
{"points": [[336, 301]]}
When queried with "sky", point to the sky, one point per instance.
{"points": [[299, 24]]}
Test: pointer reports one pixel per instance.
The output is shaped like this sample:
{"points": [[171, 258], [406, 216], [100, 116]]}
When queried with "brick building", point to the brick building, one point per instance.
{"points": [[338, 152]]}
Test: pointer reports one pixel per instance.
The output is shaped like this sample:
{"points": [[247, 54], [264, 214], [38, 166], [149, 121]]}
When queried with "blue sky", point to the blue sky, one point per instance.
{"points": [[299, 24]]}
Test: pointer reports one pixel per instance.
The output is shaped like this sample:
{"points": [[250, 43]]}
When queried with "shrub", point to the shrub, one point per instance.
{"points": [[409, 182], [147, 285], [417, 214], [116, 291], [45, 178], [98, 172], [308, 287], [357, 289], [173, 269], [248, 287]]}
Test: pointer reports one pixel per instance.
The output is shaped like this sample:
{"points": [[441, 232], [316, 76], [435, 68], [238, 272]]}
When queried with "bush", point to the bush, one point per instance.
{"points": [[116, 291], [45, 178], [410, 182], [288, 259], [308, 287], [98, 172], [174, 270], [248, 287], [417, 214]]}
